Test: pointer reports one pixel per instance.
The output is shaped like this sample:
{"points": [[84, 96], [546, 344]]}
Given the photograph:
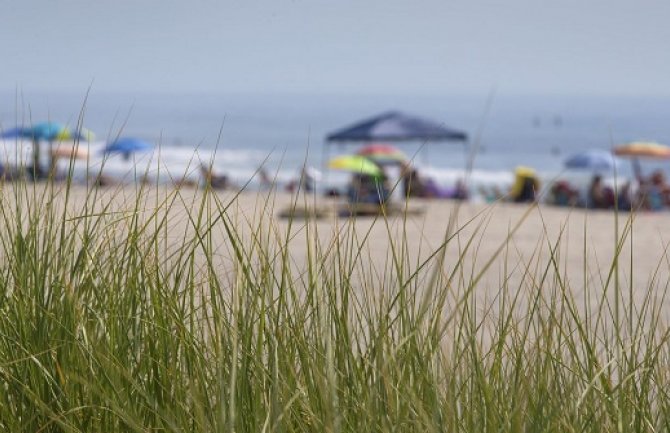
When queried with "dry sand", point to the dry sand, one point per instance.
{"points": [[585, 252]]}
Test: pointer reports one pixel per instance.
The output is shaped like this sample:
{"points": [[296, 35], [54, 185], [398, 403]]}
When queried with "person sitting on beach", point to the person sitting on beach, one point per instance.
{"points": [[433, 190], [368, 189], [600, 196], [661, 187], [526, 185], [412, 184], [624, 197], [563, 194], [415, 186], [654, 193], [527, 192], [306, 180], [460, 192], [265, 181], [212, 180]]}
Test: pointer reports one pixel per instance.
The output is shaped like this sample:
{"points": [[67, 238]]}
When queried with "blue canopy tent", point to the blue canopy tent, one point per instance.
{"points": [[394, 126]]}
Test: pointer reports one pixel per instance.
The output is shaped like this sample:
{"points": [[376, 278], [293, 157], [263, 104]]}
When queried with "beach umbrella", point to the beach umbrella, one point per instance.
{"points": [[595, 160], [642, 149], [127, 146], [78, 134], [383, 154], [46, 131], [50, 131], [13, 133], [355, 164]]}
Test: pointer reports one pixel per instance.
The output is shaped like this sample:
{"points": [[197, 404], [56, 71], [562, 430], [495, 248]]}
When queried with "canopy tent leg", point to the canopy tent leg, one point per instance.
{"points": [[469, 153], [324, 163]]}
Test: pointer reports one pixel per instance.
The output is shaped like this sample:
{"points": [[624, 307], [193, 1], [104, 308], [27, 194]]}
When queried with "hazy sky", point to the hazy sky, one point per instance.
{"points": [[337, 46]]}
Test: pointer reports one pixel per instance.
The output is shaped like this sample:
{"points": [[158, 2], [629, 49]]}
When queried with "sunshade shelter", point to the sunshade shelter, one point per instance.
{"points": [[47, 131], [356, 164], [642, 149], [394, 126], [591, 160], [126, 146]]}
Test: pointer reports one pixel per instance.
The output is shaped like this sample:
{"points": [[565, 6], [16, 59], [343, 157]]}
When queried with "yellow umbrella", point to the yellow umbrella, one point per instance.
{"points": [[643, 149], [68, 134], [356, 164]]}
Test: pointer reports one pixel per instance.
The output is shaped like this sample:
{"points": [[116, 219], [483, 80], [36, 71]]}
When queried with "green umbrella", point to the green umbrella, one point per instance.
{"points": [[355, 164]]}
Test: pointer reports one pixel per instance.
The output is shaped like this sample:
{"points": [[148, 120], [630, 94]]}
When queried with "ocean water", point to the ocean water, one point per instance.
{"points": [[237, 134]]}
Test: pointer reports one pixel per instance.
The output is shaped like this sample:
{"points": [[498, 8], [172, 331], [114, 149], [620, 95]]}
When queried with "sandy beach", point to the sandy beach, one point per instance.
{"points": [[508, 244]]}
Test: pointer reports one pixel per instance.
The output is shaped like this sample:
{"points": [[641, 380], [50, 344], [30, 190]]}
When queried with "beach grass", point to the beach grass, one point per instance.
{"points": [[152, 309]]}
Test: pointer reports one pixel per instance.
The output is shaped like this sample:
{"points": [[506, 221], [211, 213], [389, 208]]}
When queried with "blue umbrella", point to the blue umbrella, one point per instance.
{"points": [[127, 146], [48, 131], [591, 160], [13, 133]]}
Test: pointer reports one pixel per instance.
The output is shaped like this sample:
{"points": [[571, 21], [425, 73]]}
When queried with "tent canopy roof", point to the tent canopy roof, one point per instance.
{"points": [[396, 126]]}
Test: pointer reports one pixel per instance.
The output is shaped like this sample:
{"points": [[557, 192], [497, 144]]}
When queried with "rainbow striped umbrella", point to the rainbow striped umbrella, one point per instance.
{"points": [[383, 154]]}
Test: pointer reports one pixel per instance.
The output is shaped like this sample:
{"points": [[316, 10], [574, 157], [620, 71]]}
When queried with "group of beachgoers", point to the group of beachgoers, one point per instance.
{"points": [[650, 193], [412, 184], [645, 193]]}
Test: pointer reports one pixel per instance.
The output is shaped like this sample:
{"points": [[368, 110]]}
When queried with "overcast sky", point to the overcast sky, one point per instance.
{"points": [[337, 46]]}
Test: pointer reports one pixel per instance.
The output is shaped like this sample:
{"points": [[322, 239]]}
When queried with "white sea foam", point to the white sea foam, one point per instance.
{"points": [[170, 163]]}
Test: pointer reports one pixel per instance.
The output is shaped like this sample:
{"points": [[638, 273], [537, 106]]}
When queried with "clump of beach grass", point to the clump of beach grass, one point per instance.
{"points": [[152, 309]]}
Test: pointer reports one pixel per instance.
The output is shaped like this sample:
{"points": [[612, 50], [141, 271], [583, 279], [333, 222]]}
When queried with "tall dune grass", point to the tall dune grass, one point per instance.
{"points": [[149, 309]]}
